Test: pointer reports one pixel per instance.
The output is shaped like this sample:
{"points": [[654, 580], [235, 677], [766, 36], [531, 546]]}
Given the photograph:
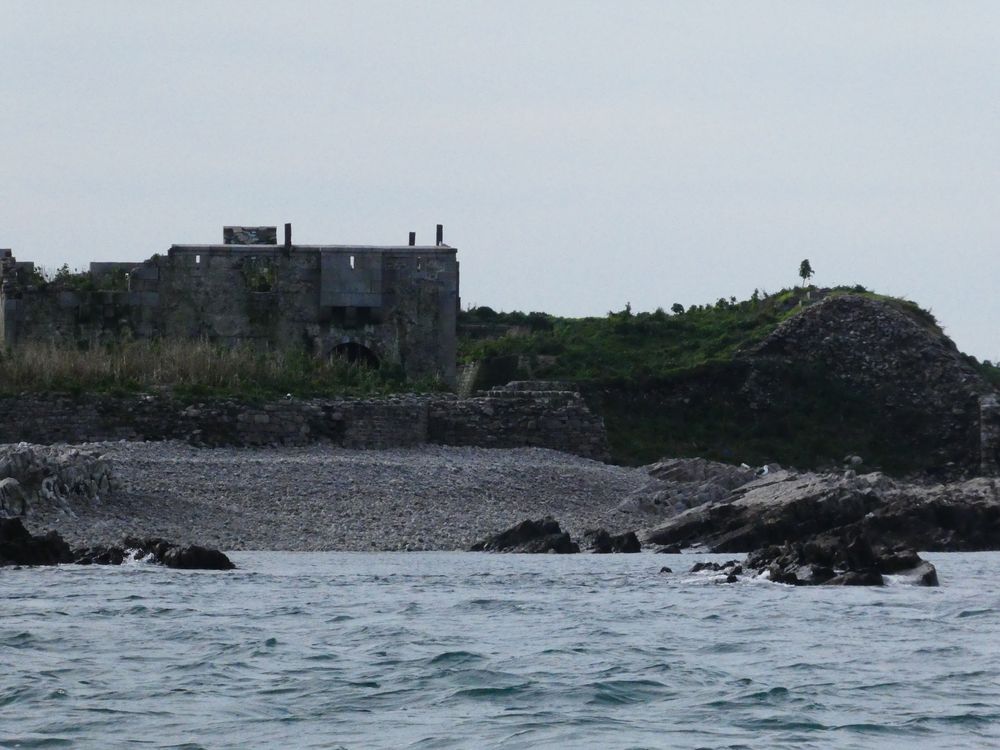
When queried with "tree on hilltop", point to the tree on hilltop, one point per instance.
{"points": [[805, 271]]}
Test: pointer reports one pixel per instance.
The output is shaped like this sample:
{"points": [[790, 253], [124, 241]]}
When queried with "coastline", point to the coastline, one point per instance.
{"points": [[325, 498]]}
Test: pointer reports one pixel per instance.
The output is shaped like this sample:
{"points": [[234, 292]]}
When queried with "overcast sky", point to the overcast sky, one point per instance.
{"points": [[581, 155]]}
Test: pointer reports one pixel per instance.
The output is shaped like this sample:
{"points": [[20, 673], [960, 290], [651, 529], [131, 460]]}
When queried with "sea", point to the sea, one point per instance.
{"points": [[463, 650]]}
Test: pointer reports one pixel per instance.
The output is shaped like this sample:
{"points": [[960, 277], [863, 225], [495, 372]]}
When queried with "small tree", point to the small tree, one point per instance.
{"points": [[805, 271], [677, 308]]}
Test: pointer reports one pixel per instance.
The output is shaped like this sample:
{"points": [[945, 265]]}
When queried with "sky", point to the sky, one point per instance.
{"points": [[581, 155]]}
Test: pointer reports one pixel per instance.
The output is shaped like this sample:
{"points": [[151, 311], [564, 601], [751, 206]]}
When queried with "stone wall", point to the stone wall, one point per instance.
{"points": [[515, 416], [398, 304], [556, 420]]}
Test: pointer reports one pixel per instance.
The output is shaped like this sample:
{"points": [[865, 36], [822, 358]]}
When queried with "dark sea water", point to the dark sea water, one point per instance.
{"points": [[443, 650]]}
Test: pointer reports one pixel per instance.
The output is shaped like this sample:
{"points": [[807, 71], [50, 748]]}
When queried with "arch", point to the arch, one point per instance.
{"points": [[356, 353]]}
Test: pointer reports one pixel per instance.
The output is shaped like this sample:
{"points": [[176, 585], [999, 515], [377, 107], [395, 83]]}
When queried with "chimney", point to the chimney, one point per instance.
{"points": [[413, 239], [288, 235], [440, 234]]}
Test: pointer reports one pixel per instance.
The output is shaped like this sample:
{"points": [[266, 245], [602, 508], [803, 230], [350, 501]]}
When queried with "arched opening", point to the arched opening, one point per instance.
{"points": [[355, 353]]}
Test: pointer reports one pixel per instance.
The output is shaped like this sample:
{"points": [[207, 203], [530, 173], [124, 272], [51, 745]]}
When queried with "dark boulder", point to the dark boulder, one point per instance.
{"points": [[19, 547], [791, 507], [839, 561], [157, 551], [196, 558], [599, 541], [99, 556], [868, 577], [543, 535]]}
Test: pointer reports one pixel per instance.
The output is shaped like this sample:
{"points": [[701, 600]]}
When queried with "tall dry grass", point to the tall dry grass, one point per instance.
{"points": [[186, 367]]}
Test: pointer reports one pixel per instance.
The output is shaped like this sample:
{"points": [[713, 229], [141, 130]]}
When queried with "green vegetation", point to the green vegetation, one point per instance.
{"points": [[193, 369], [631, 345], [669, 384], [805, 271], [79, 281]]}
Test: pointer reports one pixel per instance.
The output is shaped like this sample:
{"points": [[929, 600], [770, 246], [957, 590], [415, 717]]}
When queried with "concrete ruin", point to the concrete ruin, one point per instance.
{"points": [[394, 305]]}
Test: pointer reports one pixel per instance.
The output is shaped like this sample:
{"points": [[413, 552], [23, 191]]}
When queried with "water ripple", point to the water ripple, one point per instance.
{"points": [[434, 650]]}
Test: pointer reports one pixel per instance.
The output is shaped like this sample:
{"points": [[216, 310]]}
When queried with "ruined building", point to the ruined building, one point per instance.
{"points": [[395, 305]]}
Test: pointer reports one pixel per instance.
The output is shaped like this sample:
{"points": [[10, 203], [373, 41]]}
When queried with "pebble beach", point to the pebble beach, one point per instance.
{"points": [[320, 498]]}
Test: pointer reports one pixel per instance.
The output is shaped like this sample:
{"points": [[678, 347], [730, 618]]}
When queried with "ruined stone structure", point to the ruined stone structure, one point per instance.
{"points": [[396, 305]]}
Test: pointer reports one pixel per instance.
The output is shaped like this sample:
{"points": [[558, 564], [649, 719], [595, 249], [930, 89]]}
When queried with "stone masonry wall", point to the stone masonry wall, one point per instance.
{"points": [[510, 417], [399, 303], [560, 421]]}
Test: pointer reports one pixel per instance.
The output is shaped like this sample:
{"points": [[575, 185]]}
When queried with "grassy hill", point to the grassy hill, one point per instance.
{"points": [[669, 383]]}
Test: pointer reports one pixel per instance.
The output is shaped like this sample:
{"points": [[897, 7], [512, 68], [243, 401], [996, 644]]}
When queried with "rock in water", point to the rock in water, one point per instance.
{"points": [[828, 560], [599, 541], [19, 547], [529, 536], [196, 558], [795, 507], [157, 551]]}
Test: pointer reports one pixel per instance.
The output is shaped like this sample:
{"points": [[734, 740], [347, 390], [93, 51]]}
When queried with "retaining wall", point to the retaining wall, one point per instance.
{"points": [[557, 420]]}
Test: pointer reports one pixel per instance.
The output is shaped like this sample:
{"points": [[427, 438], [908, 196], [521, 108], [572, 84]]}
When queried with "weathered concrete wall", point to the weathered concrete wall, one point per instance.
{"points": [[398, 305], [560, 421]]}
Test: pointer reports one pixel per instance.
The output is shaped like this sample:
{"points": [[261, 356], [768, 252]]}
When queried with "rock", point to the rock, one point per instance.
{"points": [[157, 551], [857, 578], [791, 507], [665, 569], [12, 500], [599, 541], [730, 567], [39, 477], [100, 556], [543, 535], [924, 574], [19, 547], [670, 549], [903, 381], [898, 560], [838, 561], [196, 558], [676, 484]]}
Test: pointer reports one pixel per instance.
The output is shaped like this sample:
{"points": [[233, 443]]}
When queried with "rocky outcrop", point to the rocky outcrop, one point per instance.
{"points": [[33, 476], [600, 541], [833, 560], [886, 357], [160, 551], [791, 507], [677, 484], [19, 547], [543, 535], [848, 373]]}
